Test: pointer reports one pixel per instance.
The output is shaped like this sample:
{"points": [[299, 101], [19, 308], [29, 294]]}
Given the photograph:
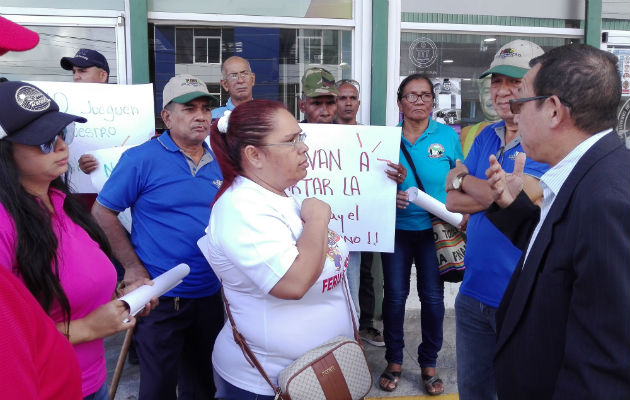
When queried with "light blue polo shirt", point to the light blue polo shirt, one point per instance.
{"points": [[170, 208], [218, 112], [433, 154], [490, 257]]}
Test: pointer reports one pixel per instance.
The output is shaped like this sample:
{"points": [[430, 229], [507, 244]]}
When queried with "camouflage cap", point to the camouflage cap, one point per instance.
{"points": [[318, 82]]}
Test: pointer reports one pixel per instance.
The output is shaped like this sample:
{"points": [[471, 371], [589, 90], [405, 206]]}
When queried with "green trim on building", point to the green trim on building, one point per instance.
{"points": [[139, 39], [437, 18], [593, 23], [616, 24], [378, 97]]}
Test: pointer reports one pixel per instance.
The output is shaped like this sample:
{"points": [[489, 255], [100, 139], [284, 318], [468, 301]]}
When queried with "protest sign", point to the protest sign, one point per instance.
{"points": [[346, 169], [107, 160], [116, 115]]}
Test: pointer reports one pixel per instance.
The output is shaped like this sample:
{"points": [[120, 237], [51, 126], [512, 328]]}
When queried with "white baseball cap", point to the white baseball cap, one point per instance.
{"points": [[184, 88], [513, 59]]}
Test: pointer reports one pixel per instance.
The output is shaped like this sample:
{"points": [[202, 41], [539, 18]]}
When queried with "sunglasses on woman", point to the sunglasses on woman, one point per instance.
{"points": [[67, 135]]}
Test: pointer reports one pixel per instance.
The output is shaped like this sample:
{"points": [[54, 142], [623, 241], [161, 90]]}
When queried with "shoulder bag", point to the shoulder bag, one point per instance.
{"points": [[450, 242], [335, 370]]}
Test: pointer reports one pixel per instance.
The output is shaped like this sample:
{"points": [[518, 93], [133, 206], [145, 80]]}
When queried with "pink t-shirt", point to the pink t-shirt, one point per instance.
{"points": [[87, 276]]}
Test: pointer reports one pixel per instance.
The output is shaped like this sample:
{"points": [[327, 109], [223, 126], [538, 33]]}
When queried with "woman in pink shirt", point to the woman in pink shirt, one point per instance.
{"points": [[46, 238]]}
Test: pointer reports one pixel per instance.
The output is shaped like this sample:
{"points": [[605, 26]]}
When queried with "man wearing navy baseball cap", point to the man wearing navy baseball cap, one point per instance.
{"points": [[88, 66]]}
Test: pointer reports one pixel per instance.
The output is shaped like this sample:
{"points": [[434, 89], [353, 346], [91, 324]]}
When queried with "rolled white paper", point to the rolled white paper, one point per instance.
{"points": [[435, 207], [140, 297]]}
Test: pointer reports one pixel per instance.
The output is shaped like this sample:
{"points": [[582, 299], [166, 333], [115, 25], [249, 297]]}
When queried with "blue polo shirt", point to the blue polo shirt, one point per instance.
{"points": [[490, 257], [170, 208], [433, 154]]}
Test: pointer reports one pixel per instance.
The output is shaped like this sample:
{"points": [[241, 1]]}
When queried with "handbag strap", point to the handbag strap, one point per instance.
{"points": [[411, 164], [247, 351], [249, 354], [413, 168]]}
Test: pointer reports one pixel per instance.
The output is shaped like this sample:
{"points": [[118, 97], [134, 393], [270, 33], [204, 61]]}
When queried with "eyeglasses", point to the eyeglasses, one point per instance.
{"points": [[352, 82], [233, 77], [67, 135], [299, 138], [516, 104], [412, 97]]}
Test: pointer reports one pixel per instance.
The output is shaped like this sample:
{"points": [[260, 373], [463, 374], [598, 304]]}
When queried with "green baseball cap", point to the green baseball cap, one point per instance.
{"points": [[513, 59], [318, 82]]}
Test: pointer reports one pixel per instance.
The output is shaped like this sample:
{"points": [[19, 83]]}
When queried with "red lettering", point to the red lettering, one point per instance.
{"points": [[364, 161]]}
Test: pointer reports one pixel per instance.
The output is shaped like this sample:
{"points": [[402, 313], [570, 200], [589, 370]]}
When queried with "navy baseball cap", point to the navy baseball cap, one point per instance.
{"points": [[29, 116], [85, 58]]}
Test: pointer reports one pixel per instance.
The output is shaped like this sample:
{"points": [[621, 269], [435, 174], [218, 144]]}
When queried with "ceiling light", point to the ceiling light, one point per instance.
{"points": [[449, 61], [490, 39]]}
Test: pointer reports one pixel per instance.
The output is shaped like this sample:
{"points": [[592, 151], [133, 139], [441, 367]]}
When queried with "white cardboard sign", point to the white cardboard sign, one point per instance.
{"points": [[347, 166], [116, 115]]}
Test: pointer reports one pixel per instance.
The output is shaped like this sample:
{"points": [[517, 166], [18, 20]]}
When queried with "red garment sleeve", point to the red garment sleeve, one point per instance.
{"points": [[36, 361]]}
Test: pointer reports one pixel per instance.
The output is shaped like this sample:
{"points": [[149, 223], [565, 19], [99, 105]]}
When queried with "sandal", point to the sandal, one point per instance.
{"points": [[392, 377], [428, 381]]}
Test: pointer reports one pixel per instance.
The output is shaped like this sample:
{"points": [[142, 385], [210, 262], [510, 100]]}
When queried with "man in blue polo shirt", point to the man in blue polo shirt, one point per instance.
{"points": [[490, 257], [170, 183]]}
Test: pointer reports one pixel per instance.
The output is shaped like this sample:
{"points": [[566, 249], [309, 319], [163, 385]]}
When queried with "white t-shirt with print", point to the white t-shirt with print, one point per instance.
{"points": [[251, 244]]}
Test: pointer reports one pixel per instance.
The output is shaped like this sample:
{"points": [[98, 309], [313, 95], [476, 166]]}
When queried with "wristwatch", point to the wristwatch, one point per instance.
{"points": [[457, 181]]}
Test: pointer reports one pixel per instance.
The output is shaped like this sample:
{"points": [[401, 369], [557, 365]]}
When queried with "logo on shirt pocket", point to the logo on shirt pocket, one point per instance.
{"points": [[436, 150]]}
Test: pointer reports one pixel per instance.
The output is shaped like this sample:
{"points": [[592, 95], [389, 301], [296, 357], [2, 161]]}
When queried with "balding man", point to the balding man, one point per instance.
{"points": [[238, 80]]}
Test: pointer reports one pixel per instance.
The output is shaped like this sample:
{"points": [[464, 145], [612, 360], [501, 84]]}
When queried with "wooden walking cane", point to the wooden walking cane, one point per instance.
{"points": [[120, 363]]}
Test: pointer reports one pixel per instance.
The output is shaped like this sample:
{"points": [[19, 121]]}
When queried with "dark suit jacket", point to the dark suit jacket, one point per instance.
{"points": [[564, 321]]}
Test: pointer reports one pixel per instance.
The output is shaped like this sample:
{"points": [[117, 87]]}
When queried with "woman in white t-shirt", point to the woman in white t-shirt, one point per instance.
{"points": [[282, 269]]}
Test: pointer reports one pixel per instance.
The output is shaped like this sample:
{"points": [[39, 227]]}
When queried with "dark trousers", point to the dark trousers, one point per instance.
{"points": [[174, 345], [366, 291]]}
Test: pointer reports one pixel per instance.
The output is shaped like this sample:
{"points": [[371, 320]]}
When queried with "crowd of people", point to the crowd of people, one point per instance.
{"points": [[542, 312]]}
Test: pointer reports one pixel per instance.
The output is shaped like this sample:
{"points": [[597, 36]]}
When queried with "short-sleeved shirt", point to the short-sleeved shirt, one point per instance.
{"points": [[433, 154], [170, 201], [218, 112], [86, 274], [251, 242], [490, 257]]}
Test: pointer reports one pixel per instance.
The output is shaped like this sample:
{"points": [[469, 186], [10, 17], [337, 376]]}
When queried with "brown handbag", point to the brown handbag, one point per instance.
{"points": [[335, 370]]}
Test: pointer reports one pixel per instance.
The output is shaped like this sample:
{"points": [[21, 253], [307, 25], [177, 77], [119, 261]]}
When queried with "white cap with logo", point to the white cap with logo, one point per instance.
{"points": [[184, 88], [513, 59]]}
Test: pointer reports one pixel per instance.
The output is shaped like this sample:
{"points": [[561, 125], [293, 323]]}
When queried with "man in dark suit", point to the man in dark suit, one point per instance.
{"points": [[564, 321]]}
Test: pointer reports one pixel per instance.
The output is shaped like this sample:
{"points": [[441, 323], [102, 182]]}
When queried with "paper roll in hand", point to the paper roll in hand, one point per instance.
{"points": [[435, 207], [140, 297]]}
